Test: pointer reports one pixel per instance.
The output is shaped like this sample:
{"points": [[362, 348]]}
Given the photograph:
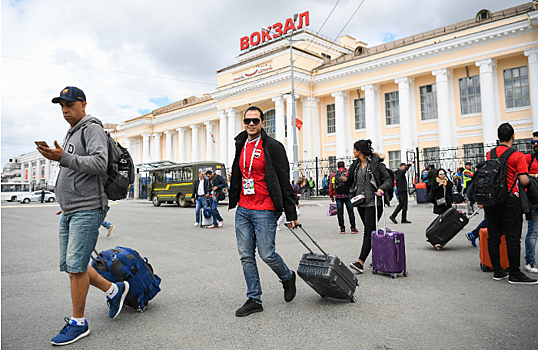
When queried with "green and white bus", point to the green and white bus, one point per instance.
{"points": [[174, 183]]}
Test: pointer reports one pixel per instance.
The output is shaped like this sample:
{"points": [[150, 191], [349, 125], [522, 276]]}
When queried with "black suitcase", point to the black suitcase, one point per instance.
{"points": [[422, 195], [446, 226], [326, 273]]}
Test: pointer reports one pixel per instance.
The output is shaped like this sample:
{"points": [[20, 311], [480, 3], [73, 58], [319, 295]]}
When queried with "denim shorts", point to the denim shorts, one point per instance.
{"points": [[78, 236]]}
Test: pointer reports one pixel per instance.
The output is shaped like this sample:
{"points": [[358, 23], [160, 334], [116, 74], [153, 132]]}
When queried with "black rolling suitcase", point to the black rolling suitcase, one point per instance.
{"points": [[326, 273], [446, 226]]}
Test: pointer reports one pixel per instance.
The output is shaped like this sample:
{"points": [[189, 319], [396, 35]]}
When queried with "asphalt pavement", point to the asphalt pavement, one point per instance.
{"points": [[445, 302]]}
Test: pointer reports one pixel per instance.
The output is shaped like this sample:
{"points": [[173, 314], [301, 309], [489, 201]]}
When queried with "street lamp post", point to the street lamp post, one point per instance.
{"points": [[293, 106]]}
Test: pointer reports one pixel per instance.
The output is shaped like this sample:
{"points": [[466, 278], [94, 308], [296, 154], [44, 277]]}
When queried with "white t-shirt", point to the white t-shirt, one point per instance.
{"points": [[201, 188]]}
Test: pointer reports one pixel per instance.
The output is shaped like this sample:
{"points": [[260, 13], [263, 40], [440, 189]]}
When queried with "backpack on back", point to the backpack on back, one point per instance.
{"points": [[338, 182], [490, 185], [120, 169]]}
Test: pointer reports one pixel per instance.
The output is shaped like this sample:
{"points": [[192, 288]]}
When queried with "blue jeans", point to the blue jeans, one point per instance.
{"points": [[78, 234], [200, 203], [258, 228], [482, 224], [530, 240], [106, 224], [214, 209], [340, 202]]}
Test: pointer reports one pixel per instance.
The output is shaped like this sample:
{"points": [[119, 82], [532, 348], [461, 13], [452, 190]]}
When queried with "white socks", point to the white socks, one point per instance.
{"points": [[111, 293], [80, 321]]}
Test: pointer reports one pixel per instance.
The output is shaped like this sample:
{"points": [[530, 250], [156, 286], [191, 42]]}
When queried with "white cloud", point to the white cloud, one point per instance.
{"points": [[47, 44]]}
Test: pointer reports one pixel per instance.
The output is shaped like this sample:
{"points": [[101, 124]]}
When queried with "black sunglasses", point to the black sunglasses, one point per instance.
{"points": [[254, 121], [441, 173], [533, 141]]}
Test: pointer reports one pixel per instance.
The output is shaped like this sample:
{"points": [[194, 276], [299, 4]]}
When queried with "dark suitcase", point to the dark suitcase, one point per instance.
{"points": [[422, 195], [446, 226], [206, 208], [326, 273], [388, 250]]}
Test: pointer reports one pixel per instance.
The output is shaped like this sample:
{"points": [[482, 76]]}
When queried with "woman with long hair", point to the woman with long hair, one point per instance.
{"points": [[368, 177], [441, 195]]}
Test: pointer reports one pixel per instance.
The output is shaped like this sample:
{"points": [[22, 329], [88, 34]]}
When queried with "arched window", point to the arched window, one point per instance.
{"points": [[269, 122], [482, 15]]}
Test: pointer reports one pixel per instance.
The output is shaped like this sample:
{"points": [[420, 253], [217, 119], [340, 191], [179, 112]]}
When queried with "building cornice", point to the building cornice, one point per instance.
{"points": [[184, 113], [432, 50]]}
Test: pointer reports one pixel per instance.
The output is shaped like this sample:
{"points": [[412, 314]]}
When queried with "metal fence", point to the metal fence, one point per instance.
{"points": [[316, 169]]}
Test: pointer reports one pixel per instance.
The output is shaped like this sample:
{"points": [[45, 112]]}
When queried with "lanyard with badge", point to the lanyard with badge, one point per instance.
{"points": [[248, 182]]}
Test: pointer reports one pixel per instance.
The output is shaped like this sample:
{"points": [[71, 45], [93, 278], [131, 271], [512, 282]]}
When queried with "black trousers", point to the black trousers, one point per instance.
{"points": [[368, 218], [505, 219], [403, 199]]}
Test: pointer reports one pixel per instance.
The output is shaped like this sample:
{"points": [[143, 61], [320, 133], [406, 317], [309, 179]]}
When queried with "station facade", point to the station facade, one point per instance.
{"points": [[445, 88]]}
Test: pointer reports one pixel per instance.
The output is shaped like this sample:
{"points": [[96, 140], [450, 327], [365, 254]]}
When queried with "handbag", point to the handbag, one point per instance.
{"points": [[358, 200], [441, 201]]}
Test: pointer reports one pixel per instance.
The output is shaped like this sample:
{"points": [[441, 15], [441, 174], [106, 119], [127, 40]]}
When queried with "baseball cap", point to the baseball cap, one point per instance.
{"points": [[70, 93]]}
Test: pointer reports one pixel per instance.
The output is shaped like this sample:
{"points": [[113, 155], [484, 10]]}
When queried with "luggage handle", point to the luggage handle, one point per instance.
{"points": [[384, 215], [300, 240]]}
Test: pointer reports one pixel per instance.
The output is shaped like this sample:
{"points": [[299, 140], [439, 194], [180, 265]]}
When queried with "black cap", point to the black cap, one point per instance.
{"points": [[402, 164], [70, 93]]}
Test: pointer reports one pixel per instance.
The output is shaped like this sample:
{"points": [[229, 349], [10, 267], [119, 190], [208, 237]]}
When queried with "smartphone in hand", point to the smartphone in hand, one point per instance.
{"points": [[41, 143]]}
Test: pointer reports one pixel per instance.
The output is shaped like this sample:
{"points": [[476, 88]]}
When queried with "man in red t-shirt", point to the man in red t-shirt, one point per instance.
{"points": [[260, 184], [532, 231], [506, 218]]}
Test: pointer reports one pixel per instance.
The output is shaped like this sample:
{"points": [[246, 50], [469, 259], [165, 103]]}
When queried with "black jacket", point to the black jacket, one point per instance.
{"points": [[437, 192], [401, 180], [217, 181], [380, 174], [207, 187], [277, 175]]}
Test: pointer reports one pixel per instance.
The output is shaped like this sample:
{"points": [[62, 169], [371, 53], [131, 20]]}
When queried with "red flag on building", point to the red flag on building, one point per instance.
{"points": [[299, 123]]}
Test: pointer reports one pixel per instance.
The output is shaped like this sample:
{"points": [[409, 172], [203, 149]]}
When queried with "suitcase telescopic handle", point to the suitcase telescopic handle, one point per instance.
{"points": [[384, 215], [300, 240]]}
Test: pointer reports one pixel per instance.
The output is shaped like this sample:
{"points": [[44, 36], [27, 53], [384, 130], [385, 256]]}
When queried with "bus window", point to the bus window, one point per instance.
{"points": [[168, 175], [158, 177], [186, 174]]}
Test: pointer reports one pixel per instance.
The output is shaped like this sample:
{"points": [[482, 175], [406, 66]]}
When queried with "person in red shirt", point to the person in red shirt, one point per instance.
{"points": [[506, 218], [260, 184], [532, 231]]}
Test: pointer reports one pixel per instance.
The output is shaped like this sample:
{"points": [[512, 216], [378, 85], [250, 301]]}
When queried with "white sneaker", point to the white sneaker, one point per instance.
{"points": [[196, 223], [220, 223], [531, 268], [112, 227], [278, 228]]}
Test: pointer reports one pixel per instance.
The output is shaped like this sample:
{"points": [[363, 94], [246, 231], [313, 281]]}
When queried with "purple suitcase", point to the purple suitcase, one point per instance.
{"points": [[388, 250]]}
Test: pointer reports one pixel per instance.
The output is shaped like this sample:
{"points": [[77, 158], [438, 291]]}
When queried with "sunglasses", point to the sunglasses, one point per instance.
{"points": [[254, 121], [533, 142], [441, 173]]}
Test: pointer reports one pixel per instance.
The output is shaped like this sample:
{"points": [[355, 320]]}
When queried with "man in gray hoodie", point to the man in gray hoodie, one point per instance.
{"points": [[80, 192]]}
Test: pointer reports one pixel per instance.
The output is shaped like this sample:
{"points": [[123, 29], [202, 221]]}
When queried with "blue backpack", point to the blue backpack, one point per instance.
{"points": [[124, 264]]}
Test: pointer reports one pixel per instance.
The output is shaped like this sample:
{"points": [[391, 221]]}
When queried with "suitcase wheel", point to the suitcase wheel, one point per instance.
{"points": [[405, 273], [352, 300], [393, 275], [374, 271]]}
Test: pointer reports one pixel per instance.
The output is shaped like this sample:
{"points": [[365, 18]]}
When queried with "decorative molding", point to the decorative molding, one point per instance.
{"points": [[532, 54], [184, 113]]}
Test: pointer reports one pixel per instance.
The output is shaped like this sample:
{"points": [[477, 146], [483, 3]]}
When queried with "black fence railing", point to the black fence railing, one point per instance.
{"points": [[316, 169]]}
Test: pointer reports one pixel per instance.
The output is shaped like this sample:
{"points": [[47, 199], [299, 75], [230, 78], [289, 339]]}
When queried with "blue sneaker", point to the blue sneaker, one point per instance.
{"points": [[70, 333], [471, 238], [115, 304]]}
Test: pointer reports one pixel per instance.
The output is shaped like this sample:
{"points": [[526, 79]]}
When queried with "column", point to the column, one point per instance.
{"points": [[181, 145], [194, 142], [223, 139], [47, 170], [532, 55], [168, 134], [38, 171], [231, 135], [348, 125], [209, 141], [339, 121], [157, 144], [289, 121], [487, 97], [443, 107], [128, 144], [307, 128], [369, 113], [280, 130], [406, 132], [145, 148]]}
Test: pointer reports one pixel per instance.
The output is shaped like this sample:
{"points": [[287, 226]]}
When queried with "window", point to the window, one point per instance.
{"points": [[516, 87], [185, 175], [269, 123], [428, 102], [523, 145], [473, 153], [392, 108], [331, 126], [470, 95], [360, 117], [394, 159], [430, 155]]}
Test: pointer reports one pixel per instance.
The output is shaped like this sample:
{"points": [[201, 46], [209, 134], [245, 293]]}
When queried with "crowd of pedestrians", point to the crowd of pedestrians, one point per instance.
{"points": [[263, 196]]}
